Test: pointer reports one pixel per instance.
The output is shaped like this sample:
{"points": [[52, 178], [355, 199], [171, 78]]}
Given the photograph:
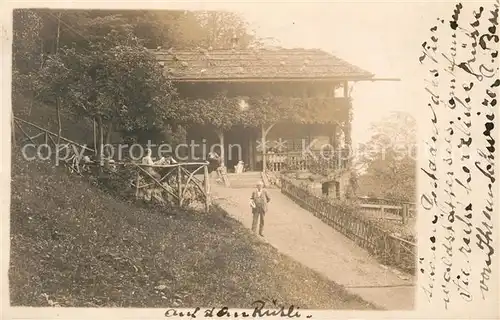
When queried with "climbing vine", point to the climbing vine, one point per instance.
{"points": [[223, 112]]}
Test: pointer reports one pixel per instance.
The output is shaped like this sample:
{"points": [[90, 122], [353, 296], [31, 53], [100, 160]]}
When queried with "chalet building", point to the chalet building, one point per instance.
{"points": [[316, 78]]}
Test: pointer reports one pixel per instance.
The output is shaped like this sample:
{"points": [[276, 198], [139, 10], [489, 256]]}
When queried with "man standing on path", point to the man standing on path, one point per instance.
{"points": [[258, 202]]}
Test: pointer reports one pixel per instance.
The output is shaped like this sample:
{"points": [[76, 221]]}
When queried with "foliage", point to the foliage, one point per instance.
{"points": [[97, 64], [221, 112], [269, 109], [122, 83], [225, 29], [26, 53], [388, 158]]}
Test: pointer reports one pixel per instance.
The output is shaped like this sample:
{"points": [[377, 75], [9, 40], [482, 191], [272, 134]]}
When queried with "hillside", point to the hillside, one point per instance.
{"points": [[77, 246]]}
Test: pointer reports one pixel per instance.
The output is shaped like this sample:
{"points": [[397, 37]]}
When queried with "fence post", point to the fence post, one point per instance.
{"points": [[137, 184], [397, 247], [47, 144], [207, 188], [179, 183], [404, 214]]}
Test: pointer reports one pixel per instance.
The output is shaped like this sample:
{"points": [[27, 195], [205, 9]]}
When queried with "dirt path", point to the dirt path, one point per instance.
{"points": [[298, 234]]}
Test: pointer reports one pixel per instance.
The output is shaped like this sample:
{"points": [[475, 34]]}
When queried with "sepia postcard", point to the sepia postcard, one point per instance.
{"points": [[250, 159]]}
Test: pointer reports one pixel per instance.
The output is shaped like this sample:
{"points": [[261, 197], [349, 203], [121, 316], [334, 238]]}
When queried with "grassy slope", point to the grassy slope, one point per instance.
{"points": [[85, 248]]}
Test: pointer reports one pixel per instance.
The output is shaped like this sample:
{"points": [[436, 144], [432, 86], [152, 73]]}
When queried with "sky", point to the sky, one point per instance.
{"points": [[382, 37]]}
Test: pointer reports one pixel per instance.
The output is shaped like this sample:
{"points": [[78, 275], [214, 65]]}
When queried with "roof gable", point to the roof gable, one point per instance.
{"points": [[258, 64]]}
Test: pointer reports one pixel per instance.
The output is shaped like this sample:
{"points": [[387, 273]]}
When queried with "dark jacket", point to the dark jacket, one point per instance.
{"points": [[260, 202]]}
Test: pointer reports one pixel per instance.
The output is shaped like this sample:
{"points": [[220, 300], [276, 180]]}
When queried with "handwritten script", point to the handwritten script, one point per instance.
{"points": [[259, 311], [461, 61]]}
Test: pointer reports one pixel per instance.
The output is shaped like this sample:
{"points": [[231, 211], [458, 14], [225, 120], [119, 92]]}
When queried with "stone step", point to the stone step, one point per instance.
{"points": [[244, 178], [237, 181]]}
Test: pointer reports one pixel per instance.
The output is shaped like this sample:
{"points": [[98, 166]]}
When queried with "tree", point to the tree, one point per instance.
{"points": [[116, 82], [26, 54], [95, 64], [224, 29], [388, 159], [219, 112]]}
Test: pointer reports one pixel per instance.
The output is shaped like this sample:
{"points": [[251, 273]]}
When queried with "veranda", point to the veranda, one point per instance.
{"points": [[294, 105]]}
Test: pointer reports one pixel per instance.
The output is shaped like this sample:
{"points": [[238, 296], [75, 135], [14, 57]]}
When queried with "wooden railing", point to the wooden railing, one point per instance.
{"points": [[174, 183], [388, 209], [317, 162], [178, 183], [391, 250]]}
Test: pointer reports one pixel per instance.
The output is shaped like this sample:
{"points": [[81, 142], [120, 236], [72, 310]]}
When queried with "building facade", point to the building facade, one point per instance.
{"points": [[315, 140]]}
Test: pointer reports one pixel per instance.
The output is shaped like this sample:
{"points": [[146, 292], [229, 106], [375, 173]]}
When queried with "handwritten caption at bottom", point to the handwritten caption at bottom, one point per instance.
{"points": [[259, 311]]}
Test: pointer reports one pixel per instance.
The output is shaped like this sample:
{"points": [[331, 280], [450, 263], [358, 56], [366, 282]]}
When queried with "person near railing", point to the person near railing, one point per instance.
{"points": [[215, 164], [258, 202], [148, 160], [238, 169]]}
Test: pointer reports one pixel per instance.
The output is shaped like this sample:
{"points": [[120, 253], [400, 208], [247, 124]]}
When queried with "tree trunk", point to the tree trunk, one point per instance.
{"points": [[100, 143], [42, 57], [95, 137], [251, 152], [405, 214], [108, 136], [263, 144], [59, 126], [58, 31], [58, 100], [264, 132], [220, 134]]}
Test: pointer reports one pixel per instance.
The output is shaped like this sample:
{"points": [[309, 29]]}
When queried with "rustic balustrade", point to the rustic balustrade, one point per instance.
{"points": [[317, 162], [391, 250]]}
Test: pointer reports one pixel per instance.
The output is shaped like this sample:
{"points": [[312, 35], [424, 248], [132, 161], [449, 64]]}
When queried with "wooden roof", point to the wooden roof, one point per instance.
{"points": [[257, 65]]}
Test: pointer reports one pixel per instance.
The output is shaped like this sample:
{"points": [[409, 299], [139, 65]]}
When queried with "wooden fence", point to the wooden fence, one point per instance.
{"points": [[174, 183], [178, 183], [389, 249]]}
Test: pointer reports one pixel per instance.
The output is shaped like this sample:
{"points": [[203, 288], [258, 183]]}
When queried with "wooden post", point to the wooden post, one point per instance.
{"points": [[179, 181], [333, 139], [348, 124], [251, 153], [220, 134], [137, 185], [397, 248], [207, 189], [101, 140], [58, 109], [46, 145], [264, 133], [405, 214], [263, 144], [100, 144], [95, 137]]}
